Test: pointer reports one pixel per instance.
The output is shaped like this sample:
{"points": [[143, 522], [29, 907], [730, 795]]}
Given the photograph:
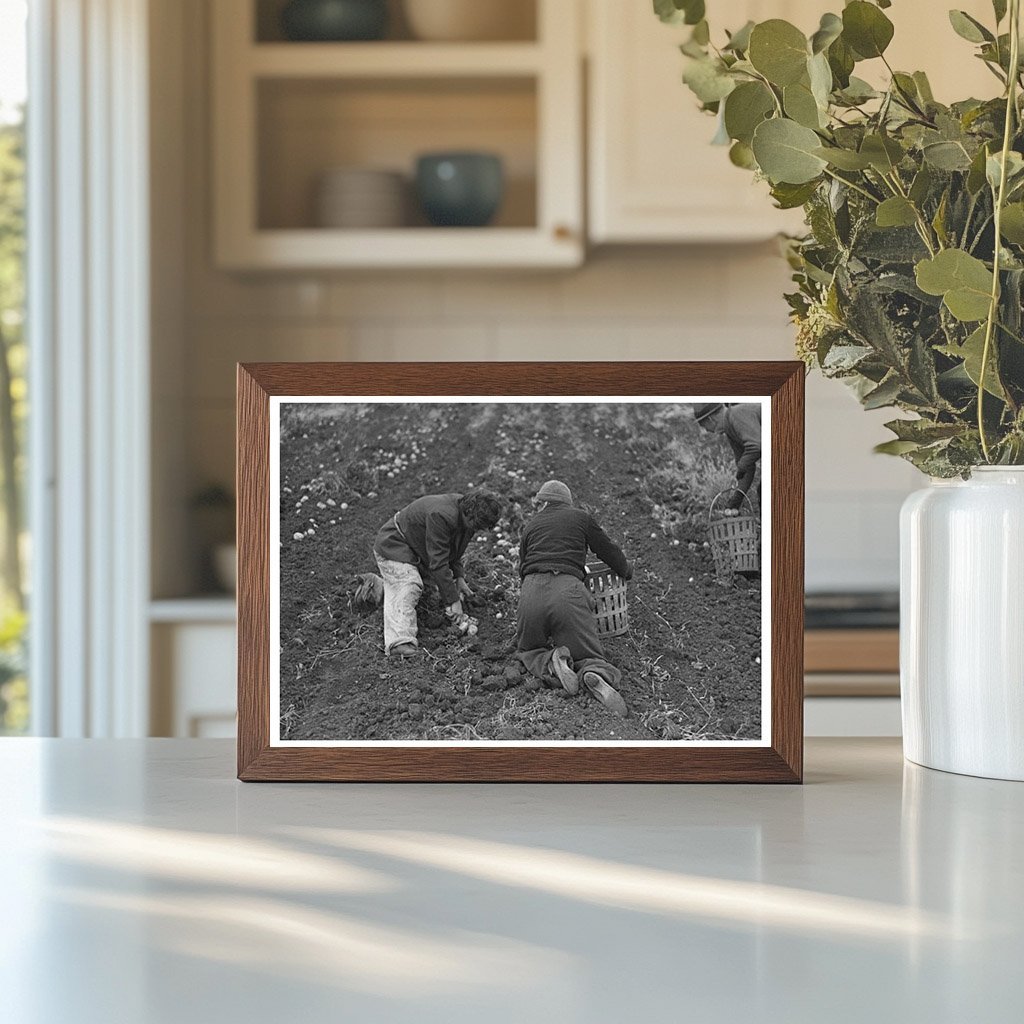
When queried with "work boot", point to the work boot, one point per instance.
{"points": [[606, 694], [405, 650], [561, 665]]}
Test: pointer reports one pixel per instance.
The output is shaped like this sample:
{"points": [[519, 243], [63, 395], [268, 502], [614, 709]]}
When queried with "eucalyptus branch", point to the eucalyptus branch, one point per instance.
{"points": [[1000, 199], [923, 227], [853, 185]]}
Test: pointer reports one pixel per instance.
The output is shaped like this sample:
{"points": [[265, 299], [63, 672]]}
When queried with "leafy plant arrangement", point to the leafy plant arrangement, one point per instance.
{"points": [[909, 280]]}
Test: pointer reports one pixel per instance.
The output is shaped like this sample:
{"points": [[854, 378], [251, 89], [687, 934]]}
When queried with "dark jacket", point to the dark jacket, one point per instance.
{"points": [[743, 429], [431, 534], [556, 539]]}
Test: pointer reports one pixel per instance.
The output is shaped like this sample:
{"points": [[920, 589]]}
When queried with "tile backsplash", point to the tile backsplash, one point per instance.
{"points": [[700, 303]]}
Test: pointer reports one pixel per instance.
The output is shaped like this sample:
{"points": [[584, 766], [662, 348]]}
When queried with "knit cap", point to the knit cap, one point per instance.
{"points": [[555, 490], [702, 412]]}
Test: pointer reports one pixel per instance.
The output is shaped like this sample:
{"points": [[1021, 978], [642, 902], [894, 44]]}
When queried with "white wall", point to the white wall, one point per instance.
{"points": [[665, 303]]}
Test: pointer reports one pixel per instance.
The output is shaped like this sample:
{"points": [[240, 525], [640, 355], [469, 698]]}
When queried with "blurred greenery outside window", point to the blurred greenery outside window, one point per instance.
{"points": [[14, 692]]}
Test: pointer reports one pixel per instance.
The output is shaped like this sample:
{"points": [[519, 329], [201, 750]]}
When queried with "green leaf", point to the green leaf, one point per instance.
{"points": [[906, 89], [883, 153], [971, 352], [746, 107], [800, 105], [701, 33], [963, 281], [1012, 226], [857, 91], [844, 159], [830, 29], [785, 152], [789, 197], [976, 174], [841, 60], [778, 50], [866, 29], [739, 41], [896, 447], [676, 12], [741, 155], [924, 87], [969, 28], [939, 220], [1014, 169], [923, 431], [820, 75], [695, 11], [999, 6], [947, 156], [885, 394], [708, 80], [921, 185], [896, 212]]}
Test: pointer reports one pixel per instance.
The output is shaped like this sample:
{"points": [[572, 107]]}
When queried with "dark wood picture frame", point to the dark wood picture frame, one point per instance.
{"points": [[780, 761]]}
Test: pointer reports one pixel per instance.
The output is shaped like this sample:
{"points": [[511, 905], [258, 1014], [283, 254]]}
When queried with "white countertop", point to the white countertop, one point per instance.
{"points": [[143, 885]]}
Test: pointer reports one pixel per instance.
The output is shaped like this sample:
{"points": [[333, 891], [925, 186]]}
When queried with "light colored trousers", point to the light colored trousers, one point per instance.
{"points": [[402, 588]]}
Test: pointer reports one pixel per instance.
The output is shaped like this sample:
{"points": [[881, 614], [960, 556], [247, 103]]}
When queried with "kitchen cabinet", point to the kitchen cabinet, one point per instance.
{"points": [[192, 645], [287, 113], [653, 175]]}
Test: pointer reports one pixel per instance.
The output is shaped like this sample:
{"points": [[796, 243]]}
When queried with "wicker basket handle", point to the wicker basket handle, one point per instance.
{"points": [[721, 494]]}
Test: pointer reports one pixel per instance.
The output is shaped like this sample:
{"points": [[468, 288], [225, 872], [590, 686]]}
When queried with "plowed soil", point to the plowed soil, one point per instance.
{"points": [[691, 659]]}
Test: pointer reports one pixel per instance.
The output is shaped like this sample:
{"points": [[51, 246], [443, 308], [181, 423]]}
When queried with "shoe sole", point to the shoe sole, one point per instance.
{"points": [[606, 694], [395, 653], [569, 680]]}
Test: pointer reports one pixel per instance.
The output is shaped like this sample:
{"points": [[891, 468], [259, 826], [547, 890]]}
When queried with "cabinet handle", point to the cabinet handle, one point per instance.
{"points": [[563, 232]]}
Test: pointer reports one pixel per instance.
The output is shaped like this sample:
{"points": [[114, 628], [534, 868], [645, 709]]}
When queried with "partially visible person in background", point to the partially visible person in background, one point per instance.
{"points": [[556, 630], [429, 536], [741, 425]]}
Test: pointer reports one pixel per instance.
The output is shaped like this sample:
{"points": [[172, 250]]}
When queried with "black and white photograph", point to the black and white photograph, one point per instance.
{"points": [[459, 570]]}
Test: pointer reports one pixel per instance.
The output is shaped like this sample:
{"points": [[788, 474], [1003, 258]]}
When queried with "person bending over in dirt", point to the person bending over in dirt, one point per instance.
{"points": [[428, 537], [556, 631], [741, 425]]}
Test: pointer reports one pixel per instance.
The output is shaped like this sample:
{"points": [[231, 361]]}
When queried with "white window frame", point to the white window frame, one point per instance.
{"points": [[89, 330]]}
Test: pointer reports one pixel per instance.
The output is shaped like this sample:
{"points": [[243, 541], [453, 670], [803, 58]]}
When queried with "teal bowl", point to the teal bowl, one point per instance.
{"points": [[460, 190], [334, 21]]}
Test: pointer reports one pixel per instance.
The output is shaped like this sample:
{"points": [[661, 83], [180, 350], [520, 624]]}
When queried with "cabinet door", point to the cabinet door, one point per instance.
{"points": [[654, 175]]}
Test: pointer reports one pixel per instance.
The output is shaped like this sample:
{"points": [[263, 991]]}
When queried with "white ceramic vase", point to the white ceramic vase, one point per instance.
{"points": [[962, 624]]}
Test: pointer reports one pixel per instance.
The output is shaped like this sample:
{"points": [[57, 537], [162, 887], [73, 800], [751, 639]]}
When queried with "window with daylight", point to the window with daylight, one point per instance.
{"points": [[14, 547]]}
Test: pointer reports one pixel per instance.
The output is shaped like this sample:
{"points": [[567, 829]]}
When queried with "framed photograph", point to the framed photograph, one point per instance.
{"points": [[520, 572]]}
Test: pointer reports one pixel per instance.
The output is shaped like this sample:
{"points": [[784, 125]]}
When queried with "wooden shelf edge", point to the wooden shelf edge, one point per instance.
{"points": [[408, 248], [393, 60]]}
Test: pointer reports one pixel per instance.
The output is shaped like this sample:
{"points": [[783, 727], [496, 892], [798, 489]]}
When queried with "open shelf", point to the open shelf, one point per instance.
{"points": [[306, 128], [286, 114]]}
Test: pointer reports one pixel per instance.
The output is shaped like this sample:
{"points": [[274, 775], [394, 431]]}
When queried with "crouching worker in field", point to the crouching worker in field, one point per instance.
{"points": [[741, 425], [428, 537], [556, 636]]}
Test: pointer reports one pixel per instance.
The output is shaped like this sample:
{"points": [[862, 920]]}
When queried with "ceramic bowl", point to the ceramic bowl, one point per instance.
{"points": [[334, 20], [358, 197], [470, 20], [460, 189]]}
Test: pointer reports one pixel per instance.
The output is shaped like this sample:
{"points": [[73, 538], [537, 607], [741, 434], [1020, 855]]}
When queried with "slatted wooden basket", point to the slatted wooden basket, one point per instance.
{"points": [[735, 540], [609, 591]]}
